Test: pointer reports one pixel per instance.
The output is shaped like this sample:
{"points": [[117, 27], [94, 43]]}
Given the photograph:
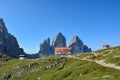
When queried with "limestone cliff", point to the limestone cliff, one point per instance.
{"points": [[8, 43]]}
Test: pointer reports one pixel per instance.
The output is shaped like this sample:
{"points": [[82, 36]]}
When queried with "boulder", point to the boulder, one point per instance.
{"points": [[6, 76]]}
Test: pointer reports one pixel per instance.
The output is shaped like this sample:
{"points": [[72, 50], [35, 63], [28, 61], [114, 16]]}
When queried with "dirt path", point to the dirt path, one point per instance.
{"points": [[100, 62], [70, 56], [94, 54], [97, 54], [103, 63]]}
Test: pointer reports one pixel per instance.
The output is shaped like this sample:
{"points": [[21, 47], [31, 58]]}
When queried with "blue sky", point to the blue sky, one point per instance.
{"points": [[95, 21]]}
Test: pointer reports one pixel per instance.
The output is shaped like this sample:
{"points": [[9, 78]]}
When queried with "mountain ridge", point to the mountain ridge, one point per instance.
{"points": [[9, 45]]}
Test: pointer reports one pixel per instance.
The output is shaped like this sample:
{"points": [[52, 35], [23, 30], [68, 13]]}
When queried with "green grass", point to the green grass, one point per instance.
{"points": [[113, 55], [84, 55], [66, 68]]}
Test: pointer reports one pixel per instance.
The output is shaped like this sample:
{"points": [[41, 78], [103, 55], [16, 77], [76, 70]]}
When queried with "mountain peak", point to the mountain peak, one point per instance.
{"points": [[76, 39], [77, 45], [59, 33], [59, 40], [1, 20], [2, 24], [8, 43]]}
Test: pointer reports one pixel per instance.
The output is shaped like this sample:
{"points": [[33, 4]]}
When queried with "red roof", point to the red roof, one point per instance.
{"points": [[62, 49], [106, 45]]}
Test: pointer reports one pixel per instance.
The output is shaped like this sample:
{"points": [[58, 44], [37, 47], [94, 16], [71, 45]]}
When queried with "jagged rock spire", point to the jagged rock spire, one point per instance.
{"points": [[78, 46], [45, 49], [8, 43], [75, 40], [2, 22], [59, 40], [3, 29]]}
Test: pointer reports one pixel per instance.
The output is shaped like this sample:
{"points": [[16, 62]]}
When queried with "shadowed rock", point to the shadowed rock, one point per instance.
{"points": [[78, 46], [86, 49], [59, 41], [8, 43], [45, 49]]}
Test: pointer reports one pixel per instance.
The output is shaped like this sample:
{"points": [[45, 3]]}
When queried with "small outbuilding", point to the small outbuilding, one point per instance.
{"points": [[106, 46], [62, 51], [22, 57]]}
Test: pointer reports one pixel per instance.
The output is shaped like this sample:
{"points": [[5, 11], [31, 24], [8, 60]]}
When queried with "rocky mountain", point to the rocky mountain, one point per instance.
{"points": [[33, 56], [10, 47], [8, 43], [86, 49], [59, 40], [45, 49], [78, 46]]}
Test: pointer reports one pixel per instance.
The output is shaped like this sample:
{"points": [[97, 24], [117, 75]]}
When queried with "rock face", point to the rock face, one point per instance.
{"points": [[33, 56], [86, 49], [78, 46], [8, 43], [10, 47], [45, 49], [59, 41]]}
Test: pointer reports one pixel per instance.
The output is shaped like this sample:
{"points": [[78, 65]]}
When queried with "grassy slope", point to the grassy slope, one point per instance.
{"points": [[66, 68], [112, 55]]}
